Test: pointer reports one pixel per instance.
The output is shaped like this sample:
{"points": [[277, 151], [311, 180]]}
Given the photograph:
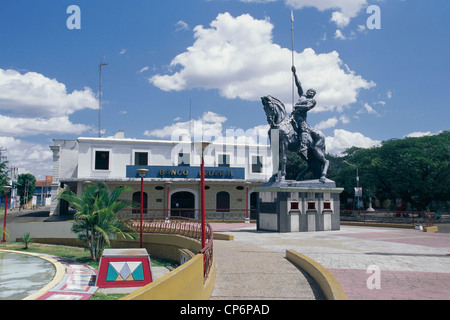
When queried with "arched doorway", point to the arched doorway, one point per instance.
{"points": [[223, 201], [182, 204], [136, 200]]}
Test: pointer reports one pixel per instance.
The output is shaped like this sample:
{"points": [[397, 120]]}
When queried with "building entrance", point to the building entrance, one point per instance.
{"points": [[182, 204]]}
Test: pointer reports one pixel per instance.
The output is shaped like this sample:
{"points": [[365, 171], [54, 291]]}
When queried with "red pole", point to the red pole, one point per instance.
{"points": [[142, 209], [4, 222], [202, 187], [246, 206], [167, 202]]}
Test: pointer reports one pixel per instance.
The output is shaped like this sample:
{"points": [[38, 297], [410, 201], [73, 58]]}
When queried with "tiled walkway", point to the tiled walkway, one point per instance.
{"points": [[78, 283], [369, 263]]}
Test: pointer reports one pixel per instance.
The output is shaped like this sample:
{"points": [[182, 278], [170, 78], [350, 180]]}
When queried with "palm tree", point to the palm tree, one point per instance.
{"points": [[4, 231], [95, 219]]}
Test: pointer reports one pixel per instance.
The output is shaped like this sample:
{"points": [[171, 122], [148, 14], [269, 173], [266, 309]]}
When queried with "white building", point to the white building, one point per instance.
{"points": [[172, 184]]}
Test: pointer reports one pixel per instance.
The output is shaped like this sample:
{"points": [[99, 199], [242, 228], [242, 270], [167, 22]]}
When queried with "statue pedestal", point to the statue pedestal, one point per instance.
{"points": [[299, 206]]}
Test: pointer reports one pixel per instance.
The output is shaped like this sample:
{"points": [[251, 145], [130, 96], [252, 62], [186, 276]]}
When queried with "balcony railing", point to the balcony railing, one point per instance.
{"points": [[210, 214]]}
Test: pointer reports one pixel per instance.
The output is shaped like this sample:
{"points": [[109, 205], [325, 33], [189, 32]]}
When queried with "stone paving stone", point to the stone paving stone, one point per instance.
{"points": [[245, 272], [414, 265]]}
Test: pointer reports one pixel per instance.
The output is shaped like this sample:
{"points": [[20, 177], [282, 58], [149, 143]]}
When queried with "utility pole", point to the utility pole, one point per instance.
{"points": [[100, 101], [357, 181], [2, 157]]}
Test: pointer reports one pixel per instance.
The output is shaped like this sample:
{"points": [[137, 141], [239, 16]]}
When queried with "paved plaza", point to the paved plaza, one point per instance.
{"points": [[412, 264], [409, 264]]}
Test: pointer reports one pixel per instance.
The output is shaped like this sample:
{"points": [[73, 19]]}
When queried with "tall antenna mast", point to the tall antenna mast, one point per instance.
{"points": [[100, 100], [190, 119], [292, 36]]}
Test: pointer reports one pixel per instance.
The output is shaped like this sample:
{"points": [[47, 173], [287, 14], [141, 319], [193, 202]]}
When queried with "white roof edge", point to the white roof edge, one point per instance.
{"points": [[131, 140]]}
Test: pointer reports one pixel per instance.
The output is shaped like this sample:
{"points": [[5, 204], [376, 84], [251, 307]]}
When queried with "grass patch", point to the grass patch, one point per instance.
{"points": [[76, 253], [109, 296]]}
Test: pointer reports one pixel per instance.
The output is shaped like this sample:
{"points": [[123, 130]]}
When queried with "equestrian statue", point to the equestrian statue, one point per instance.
{"points": [[296, 135]]}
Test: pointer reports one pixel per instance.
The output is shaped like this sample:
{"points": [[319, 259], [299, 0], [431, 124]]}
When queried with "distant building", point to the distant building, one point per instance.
{"points": [[42, 191], [172, 184]]}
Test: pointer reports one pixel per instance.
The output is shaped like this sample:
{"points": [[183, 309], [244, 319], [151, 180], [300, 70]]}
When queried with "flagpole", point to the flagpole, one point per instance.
{"points": [[292, 36]]}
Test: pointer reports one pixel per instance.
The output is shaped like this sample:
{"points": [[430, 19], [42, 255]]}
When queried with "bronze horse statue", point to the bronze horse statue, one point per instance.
{"points": [[289, 139]]}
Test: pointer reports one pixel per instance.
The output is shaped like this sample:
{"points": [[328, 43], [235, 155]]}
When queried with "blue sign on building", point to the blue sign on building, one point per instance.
{"points": [[187, 172]]}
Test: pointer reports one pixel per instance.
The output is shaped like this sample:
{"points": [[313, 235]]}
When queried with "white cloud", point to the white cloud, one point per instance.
{"points": [[143, 69], [369, 109], [330, 123], [344, 119], [340, 19], [33, 94], [34, 104], [123, 51], [361, 28], [210, 127], [28, 157], [389, 94], [419, 134], [19, 126], [237, 57], [347, 9], [181, 25], [344, 139], [210, 124], [338, 35]]}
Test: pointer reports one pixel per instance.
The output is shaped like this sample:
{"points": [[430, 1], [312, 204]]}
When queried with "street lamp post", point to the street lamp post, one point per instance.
{"points": [[357, 180], [167, 199], [247, 218], [6, 189], [201, 146], [142, 173]]}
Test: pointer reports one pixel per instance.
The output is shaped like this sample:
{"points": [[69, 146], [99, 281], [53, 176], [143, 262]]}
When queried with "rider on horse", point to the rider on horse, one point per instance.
{"points": [[299, 114]]}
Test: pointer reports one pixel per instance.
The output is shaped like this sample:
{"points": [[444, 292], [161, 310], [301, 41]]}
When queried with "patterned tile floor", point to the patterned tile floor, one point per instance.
{"points": [[78, 283]]}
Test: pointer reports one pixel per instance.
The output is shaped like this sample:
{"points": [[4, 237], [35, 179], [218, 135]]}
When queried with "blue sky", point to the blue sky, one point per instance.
{"points": [[173, 61]]}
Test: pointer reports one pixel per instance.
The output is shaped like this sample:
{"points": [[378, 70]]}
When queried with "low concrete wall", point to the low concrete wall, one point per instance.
{"points": [[388, 225], [326, 281], [223, 236], [41, 229], [165, 246], [377, 224]]}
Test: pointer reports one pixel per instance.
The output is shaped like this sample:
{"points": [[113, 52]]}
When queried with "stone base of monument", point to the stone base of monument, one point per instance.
{"points": [[299, 206], [120, 268]]}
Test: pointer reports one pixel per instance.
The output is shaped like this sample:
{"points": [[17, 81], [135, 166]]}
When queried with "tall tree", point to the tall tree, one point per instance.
{"points": [[27, 185], [3, 175], [415, 170]]}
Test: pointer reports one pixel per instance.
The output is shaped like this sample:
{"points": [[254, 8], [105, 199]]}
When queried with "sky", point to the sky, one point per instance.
{"points": [[380, 69]]}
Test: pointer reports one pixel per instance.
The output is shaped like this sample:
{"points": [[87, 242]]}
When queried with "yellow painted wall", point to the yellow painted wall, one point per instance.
{"points": [[183, 283]]}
